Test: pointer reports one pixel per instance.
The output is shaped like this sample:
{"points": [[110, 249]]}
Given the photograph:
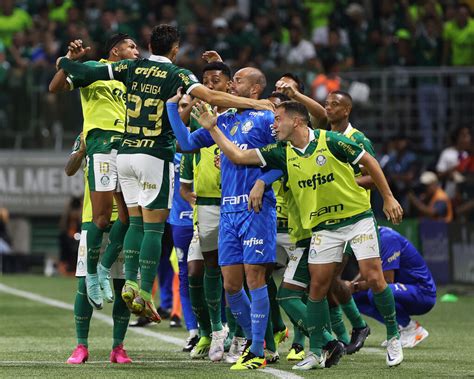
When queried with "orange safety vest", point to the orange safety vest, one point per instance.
{"points": [[331, 84], [440, 195]]}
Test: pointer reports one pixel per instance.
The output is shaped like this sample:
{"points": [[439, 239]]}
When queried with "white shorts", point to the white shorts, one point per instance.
{"points": [[208, 226], [284, 248], [194, 251], [327, 246], [146, 181], [102, 172], [117, 271], [294, 273]]}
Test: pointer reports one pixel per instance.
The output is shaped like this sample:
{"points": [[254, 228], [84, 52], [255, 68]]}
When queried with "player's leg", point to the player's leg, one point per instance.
{"points": [[271, 341], [197, 299], [155, 198], [130, 186], [165, 274], [121, 317], [114, 246], [365, 244], [82, 309]]}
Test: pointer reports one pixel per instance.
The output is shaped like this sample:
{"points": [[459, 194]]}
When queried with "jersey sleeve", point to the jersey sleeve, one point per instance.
{"points": [[119, 70], [269, 120], [390, 252], [343, 148], [85, 74], [77, 145], [364, 143], [186, 168], [77, 81], [273, 156], [187, 80]]}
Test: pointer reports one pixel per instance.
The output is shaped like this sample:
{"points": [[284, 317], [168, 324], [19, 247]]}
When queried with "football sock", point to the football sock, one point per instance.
{"points": [[120, 314], [131, 247], [277, 321], [292, 303], [298, 336], [213, 295], [114, 247], [385, 303], [150, 252], [94, 241], [189, 318], [318, 314], [269, 336], [337, 324], [82, 313], [260, 307], [239, 304], [352, 313], [230, 322], [199, 305]]}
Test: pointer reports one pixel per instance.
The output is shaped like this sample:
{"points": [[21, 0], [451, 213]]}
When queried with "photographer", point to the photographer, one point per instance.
{"points": [[430, 200]]}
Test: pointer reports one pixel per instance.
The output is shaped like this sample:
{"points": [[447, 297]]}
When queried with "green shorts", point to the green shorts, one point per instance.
{"points": [[297, 272]]}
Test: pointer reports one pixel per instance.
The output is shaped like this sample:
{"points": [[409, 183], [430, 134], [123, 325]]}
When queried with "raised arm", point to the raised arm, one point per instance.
{"points": [[76, 158], [391, 207], [84, 73], [226, 100]]}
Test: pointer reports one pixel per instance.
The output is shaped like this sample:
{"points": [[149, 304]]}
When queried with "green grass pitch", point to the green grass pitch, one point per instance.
{"points": [[36, 339]]}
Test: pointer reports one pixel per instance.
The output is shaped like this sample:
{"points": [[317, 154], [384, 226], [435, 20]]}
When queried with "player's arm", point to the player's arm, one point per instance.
{"points": [[365, 180], [186, 179], [223, 99], [258, 189], [88, 74], [314, 108], [76, 158]]}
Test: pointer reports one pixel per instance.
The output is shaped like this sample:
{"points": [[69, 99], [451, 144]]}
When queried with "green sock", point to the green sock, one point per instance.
{"points": [[150, 253], [82, 313], [120, 314], [277, 321], [385, 303], [94, 241], [131, 247], [352, 313], [199, 305], [318, 314], [114, 247], [231, 323], [298, 336], [239, 332], [292, 303], [337, 324], [213, 295], [269, 337]]}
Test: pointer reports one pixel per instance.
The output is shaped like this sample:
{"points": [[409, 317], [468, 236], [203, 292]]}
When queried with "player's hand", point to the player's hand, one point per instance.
{"points": [[203, 114], [264, 105], [217, 161], [211, 56], [256, 196], [393, 210], [286, 89], [190, 197], [176, 98], [76, 50]]}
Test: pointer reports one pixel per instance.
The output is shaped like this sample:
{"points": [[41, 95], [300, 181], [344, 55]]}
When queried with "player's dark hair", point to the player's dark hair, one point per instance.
{"points": [[162, 39], [297, 79], [280, 96], [456, 133], [218, 66], [343, 94], [115, 40], [295, 108]]}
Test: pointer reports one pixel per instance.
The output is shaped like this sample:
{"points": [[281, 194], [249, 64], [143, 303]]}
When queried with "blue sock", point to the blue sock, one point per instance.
{"points": [[259, 313], [239, 304]]}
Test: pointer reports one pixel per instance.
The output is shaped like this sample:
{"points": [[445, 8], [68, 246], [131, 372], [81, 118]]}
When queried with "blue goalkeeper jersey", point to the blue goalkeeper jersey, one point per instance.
{"points": [[249, 129], [181, 213], [400, 255]]}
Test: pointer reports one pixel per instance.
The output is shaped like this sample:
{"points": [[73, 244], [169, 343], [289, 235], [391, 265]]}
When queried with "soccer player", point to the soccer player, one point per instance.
{"points": [[246, 238], [207, 188], [82, 309], [412, 284], [145, 157], [103, 105], [338, 212]]}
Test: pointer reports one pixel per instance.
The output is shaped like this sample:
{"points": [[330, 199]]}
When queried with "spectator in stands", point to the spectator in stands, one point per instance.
{"points": [[299, 51], [358, 27], [191, 50], [320, 36], [464, 200], [432, 202], [451, 157], [12, 20], [326, 82], [459, 38], [5, 240], [336, 51], [243, 41]]}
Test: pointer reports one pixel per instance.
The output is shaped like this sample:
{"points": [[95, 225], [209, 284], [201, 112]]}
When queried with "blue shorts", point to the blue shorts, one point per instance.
{"points": [[182, 236], [247, 237]]}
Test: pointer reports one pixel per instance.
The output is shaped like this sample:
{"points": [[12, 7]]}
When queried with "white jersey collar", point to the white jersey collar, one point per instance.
{"points": [[159, 59]]}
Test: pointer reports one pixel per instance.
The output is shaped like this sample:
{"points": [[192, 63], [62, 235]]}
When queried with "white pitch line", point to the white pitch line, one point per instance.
{"points": [[145, 332], [92, 362]]}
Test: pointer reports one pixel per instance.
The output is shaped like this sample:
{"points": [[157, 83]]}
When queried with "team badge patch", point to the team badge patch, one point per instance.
{"points": [[105, 180], [321, 160], [247, 126]]}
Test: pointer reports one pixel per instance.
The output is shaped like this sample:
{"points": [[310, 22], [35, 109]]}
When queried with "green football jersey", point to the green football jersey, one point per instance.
{"points": [[150, 83]]}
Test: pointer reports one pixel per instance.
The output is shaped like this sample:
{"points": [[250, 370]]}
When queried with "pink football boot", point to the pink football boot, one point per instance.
{"points": [[78, 356], [119, 355]]}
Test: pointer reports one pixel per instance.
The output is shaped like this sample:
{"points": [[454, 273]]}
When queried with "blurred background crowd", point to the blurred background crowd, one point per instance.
{"points": [[409, 65]]}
